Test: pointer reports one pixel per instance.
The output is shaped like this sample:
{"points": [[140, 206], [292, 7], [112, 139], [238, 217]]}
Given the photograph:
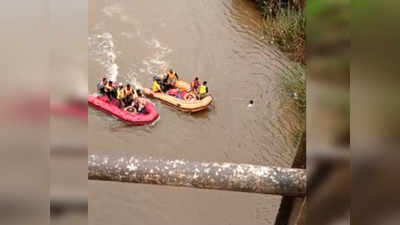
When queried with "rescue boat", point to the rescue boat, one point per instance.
{"points": [[180, 103], [101, 102]]}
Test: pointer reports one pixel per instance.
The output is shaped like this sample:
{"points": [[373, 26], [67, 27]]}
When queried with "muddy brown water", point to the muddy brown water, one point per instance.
{"points": [[219, 41]]}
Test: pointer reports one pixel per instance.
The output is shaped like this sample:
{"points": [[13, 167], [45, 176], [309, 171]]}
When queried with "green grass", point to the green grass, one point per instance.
{"points": [[284, 25], [297, 134], [294, 81], [272, 6], [286, 29]]}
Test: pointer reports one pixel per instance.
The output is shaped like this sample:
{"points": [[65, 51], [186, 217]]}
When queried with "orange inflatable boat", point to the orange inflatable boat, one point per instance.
{"points": [[179, 103]]}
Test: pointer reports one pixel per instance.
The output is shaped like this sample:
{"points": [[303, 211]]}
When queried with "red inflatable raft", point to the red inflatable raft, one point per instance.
{"points": [[132, 118]]}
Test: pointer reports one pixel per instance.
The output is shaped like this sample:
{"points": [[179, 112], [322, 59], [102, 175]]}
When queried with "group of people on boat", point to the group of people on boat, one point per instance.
{"points": [[164, 83], [126, 97]]}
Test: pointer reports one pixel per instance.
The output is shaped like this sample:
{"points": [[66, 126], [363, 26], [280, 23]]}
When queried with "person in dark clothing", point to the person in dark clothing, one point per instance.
{"points": [[100, 86], [128, 99], [108, 90], [131, 108], [169, 80], [164, 84], [141, 103], [129, 94], [194, 85]]}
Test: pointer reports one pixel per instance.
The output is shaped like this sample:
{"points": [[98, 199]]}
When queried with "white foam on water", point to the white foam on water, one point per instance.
{"points": [[156, 62], [127, 35], [102, 50], [132, 79], [112, 10]]}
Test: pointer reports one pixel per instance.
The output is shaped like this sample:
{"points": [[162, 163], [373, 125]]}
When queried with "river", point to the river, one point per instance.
{"points": [[219, 41]]}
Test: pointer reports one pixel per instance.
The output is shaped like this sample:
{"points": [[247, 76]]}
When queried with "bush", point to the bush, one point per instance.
{"points": [[287, 30], [272, 7]]}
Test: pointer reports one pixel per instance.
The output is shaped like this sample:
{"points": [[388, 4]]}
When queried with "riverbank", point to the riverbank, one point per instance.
{"points": [[294, 85], [284, 25], [287, 31]]}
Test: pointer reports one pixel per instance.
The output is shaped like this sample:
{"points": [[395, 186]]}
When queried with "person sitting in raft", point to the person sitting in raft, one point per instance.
{"points": [[156, 85], [203, 90], [131, 108], [129, 95], [194, 85], [159, 78], [164, 83], [121, 95], [135, 99], [129, 98], [129, 89], [109, 90], [141, 103], [170, 79], [190, 96], [100, 86]]}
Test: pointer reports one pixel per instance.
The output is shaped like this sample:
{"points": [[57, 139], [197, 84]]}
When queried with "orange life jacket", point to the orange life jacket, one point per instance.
{"points": [[171, 75], [128, 91], [108, 87]]}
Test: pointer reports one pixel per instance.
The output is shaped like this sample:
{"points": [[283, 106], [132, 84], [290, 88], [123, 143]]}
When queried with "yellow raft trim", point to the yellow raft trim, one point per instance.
{"points": [[180, 104]]}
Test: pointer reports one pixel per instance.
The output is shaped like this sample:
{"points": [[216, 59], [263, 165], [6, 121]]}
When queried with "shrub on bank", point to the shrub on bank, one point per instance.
{"points": [[287, 30], [272, 7], [284, 25]]}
